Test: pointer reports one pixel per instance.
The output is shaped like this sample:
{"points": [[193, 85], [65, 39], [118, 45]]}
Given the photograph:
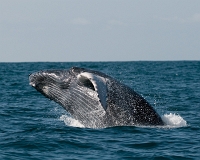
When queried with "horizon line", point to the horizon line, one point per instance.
{"points": [[95, 61]]}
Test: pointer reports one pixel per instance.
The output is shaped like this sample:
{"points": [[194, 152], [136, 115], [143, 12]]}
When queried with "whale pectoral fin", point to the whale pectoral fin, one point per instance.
{"points": [[85, 82], [96, 84]]}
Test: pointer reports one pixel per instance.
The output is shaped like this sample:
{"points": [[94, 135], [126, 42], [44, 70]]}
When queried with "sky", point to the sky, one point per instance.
{"points": [[99, 30]]}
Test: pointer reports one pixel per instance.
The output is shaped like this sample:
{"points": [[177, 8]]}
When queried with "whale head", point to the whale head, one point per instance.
{"points": [[80, 91]]}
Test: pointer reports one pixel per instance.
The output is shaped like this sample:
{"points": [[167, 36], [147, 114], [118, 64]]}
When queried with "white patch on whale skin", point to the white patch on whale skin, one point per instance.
{"points": [[32, 84], [99, 84], [45, 89]]}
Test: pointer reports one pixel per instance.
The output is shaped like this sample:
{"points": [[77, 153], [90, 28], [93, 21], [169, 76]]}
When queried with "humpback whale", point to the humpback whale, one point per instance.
{"points": [[95, 99]]}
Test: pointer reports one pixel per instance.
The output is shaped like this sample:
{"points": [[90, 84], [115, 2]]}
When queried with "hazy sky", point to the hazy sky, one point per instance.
{"points": [[99, 30]]}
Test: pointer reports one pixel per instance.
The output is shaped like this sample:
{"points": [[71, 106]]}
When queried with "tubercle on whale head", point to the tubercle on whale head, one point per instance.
{"points": [[56, 76], [59, 78]]}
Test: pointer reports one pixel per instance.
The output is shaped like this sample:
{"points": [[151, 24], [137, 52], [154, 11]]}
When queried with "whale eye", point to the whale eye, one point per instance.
{"points": [[85, 82]]}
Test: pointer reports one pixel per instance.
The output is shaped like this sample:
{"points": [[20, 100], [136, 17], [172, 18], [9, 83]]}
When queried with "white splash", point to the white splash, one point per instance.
{"points": [[173, 120], [69, 121]]}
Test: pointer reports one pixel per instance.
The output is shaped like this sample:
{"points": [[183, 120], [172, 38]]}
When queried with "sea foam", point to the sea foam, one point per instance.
{"points": [[173, 120]]}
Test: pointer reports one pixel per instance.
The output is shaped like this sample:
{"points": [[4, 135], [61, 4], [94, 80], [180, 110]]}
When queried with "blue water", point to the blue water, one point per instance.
{"points": [[33, 127]]}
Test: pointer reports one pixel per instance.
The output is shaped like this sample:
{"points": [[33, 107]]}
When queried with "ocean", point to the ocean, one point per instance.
{"points": [[33, 127]]}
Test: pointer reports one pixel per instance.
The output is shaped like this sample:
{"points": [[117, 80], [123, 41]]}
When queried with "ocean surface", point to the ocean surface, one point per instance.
{"points": [[33, 127]]}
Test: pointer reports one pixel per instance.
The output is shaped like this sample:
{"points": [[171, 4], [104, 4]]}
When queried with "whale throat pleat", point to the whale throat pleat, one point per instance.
{"points": [[87, 107]]}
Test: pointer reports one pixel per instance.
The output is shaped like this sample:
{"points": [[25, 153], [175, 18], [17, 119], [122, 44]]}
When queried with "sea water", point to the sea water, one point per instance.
{"points": [[33, 127]]}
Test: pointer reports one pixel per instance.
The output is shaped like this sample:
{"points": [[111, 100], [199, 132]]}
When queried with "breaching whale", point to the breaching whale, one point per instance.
{"points": [[95, 99]]}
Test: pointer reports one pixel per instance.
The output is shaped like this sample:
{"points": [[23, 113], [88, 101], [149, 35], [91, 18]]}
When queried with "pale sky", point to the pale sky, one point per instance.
{"points": [[99, 30]]}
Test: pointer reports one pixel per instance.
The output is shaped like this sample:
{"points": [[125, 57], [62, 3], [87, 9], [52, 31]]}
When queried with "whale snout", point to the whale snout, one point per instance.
{"points": [[37, 80], [42, 79], [32, 79]]}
